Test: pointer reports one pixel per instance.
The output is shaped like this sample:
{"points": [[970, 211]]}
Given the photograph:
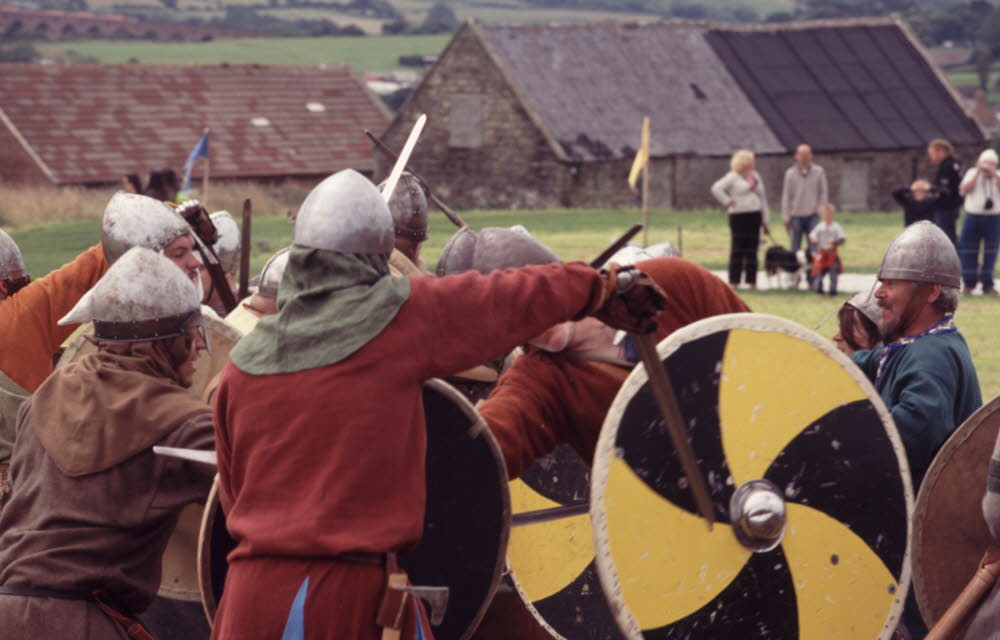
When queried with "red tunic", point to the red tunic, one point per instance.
{"points": [[331, 460], [539, 404]]}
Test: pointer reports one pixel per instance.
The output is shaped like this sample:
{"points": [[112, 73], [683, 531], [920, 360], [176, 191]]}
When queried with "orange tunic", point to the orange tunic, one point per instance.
{"points": [[29, 335], [543, 401]]}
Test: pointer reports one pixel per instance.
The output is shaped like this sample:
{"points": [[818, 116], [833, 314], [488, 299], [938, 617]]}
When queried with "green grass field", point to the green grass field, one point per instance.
{"points": [[362, 54], [581, 235]]}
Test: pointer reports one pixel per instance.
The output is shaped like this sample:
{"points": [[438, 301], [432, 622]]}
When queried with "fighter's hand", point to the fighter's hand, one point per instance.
{"points": [[197, 216], [632, 300]]}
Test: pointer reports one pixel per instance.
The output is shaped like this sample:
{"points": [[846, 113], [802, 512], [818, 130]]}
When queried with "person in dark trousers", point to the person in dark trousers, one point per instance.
{"points": [[741, 192], [919, 201], [947, 179]]}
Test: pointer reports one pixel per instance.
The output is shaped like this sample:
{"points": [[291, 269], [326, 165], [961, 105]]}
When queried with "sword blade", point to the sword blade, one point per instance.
{"points": [[615, 246], [195, 455], [548, 515], [404, 156]]}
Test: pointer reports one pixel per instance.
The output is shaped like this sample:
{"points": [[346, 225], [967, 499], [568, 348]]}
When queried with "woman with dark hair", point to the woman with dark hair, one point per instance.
{"points": [[163, 185], [131, 183], [171, 184], [859, 324], [156, 188]]}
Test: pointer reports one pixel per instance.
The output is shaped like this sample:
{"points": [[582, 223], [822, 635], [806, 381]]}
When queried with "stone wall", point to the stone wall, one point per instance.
{"points": [[481, 148]]}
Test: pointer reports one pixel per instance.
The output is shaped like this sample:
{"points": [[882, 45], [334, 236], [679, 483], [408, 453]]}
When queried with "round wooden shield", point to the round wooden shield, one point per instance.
{"points": [[552, 562], [949, 533], [767, 404], [214, 545], [465, 526]]}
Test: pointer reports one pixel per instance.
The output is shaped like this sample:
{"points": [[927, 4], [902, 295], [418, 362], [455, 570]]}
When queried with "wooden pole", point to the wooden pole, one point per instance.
{"points": [[204, 185], [204, 179], [245, 251], [645, 205]]}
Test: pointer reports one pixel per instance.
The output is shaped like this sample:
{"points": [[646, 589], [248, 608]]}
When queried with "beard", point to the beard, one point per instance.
{"points": [[894, 329]]}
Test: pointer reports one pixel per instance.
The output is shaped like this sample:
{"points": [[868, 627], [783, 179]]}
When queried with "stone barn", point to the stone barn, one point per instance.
{"points": [[550, 115]]}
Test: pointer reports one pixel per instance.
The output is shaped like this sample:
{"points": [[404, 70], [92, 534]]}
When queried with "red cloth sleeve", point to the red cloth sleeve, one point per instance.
{"points": [[472, 318]]}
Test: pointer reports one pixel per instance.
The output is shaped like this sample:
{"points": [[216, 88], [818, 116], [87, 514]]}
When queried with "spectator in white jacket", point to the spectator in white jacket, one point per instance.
{"points": [[981, 227], [741, 192]]}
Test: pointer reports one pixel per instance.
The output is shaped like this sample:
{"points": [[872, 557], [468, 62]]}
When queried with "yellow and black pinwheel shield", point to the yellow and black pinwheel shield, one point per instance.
{"points": [[551, 561], [807, 476]]}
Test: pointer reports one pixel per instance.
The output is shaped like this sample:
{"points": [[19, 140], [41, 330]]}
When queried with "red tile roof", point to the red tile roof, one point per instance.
{"points": [[93, 123]]}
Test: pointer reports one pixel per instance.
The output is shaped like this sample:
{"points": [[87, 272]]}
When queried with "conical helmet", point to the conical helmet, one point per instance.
{"points": [[408, 206], [143, 296], [866, 303], [345, 213], [922, 253], [456, 257], [11, 260], [132, 220], [630, 254], [490, 249], [271, 274], [228, 246], [498, 248]]}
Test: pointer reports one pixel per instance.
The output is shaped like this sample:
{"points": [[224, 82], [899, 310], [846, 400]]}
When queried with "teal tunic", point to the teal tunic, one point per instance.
{"points": [[930, 387]]}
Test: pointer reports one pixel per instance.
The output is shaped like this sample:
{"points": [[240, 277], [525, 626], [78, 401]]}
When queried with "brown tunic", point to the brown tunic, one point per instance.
{"points": [[104, 530]]}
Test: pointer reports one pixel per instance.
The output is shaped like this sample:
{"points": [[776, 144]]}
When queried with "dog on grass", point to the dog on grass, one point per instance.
{"points": [[785, 268]]}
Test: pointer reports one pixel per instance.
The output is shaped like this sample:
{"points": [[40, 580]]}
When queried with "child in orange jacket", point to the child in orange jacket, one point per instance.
{"points": [[826, 237]]}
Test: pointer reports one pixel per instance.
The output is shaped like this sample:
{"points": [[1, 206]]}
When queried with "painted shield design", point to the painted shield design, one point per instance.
{"points": [[808, 480], [465, 526], [949, 533], [552, 562]]}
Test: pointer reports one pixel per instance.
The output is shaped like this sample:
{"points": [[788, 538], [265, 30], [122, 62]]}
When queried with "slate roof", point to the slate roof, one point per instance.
{"points": [[92, 123], [844, 88], [710, 89], [591, 84]]}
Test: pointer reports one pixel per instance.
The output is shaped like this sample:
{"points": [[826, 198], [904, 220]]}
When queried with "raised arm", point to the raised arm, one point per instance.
{"points": [[29, 335]]}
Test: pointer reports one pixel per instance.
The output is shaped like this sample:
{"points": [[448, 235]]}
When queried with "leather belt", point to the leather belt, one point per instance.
{"points": [[357, 557]]}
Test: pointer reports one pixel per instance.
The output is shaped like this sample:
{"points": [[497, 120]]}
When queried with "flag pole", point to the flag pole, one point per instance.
{"points": [[204, 184], [204, 179], [645, 205]]}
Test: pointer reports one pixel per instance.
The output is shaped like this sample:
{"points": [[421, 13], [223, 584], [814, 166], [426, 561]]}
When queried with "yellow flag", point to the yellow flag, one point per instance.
{"points": [[641, 156]]}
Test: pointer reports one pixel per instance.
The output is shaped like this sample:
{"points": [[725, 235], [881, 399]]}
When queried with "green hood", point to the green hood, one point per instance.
{"points": [[330, 305]]}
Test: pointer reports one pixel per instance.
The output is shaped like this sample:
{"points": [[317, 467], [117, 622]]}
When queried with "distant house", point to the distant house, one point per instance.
{"points": [[89, 124], [550, 115]]}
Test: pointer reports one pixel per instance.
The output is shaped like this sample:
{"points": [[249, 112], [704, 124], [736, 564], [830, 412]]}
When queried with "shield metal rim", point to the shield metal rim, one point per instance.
{"points": [[930, 609], [529, 605], [479, 428], [606, 570], [208, 517]]}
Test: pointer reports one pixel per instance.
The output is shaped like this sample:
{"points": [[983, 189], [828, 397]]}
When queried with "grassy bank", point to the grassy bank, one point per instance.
{"points": [[373, 53], [582, 235], [572, 234]]}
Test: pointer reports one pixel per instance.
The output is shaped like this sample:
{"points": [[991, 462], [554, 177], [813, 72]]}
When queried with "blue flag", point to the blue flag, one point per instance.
{"points": [[200, 151]]}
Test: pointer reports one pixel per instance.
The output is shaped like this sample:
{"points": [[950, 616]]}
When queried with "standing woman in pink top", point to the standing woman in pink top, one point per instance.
{"points": [[741, 192]]}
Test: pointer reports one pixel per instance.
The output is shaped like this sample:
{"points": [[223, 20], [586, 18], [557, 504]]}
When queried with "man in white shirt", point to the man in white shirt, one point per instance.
{"points": [[981, 227]]}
